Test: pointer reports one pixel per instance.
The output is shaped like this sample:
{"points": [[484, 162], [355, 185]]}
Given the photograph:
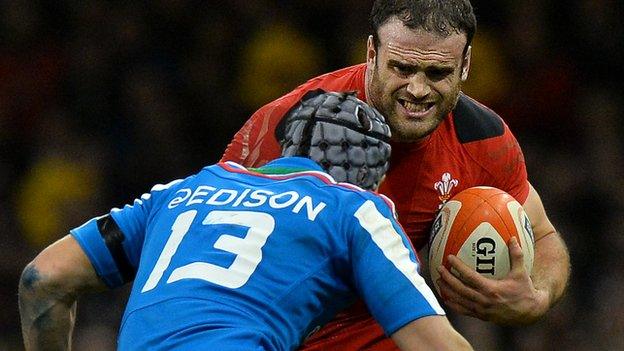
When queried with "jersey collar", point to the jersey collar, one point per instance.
{"points": [[286, 165], [286, 168]]}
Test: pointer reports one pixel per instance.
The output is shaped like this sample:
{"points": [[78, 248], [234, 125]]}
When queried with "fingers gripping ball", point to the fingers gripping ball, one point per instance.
{"points": [[476, 226], [347, 137]]}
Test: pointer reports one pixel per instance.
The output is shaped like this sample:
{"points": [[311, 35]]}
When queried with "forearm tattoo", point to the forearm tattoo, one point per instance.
{"points": [[47, 318]]}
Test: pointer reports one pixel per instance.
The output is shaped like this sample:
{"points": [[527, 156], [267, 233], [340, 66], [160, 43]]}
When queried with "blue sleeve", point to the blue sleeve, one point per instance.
{"points": [[113, 242], [132, 221], [385, 269], [94, 246]]}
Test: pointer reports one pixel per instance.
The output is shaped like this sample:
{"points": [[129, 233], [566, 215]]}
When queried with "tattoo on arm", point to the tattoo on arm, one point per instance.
{"points": [[30, 277], [48, 289], [47, 317]]}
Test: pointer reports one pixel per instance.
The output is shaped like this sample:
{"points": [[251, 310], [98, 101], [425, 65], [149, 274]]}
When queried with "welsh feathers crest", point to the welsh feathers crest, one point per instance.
{"points": [[445, 186]]}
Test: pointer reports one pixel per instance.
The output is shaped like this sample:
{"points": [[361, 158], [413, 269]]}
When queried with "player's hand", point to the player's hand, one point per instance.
{"points": [[512, 300]]}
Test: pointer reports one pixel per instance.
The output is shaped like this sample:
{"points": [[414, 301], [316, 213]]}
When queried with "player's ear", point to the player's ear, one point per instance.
{"points": [[466, 64], [371, 52]]}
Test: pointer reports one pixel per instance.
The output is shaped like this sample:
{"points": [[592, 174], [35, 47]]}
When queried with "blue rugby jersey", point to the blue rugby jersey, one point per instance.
{"points": [[238, 259]]}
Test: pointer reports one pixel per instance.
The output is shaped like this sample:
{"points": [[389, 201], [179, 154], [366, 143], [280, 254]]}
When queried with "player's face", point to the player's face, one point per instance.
{"points": [[414, 77]]}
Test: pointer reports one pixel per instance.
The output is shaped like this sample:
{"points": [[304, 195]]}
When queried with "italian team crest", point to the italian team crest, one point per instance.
{"points": [[445, 186]]}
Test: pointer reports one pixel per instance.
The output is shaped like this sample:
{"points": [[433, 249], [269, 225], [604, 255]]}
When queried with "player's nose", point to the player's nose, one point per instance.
{"points": [[418, 86]]}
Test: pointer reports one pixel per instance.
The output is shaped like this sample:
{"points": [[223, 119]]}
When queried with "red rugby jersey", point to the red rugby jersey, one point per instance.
{"points": [[472, 146]]}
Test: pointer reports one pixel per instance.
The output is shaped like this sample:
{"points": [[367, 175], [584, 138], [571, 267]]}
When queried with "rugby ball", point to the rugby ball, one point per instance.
{"points": [[476, 225]]}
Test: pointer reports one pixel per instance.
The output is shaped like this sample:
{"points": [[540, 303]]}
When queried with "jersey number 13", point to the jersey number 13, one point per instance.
{"points": [[248, 250]]}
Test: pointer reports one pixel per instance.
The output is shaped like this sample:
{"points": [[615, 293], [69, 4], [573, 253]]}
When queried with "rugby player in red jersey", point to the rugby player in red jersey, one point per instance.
{"points": [[443, 142]]}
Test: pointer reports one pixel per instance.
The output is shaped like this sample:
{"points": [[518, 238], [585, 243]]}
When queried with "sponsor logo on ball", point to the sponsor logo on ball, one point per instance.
{"points": [[485, 250]]}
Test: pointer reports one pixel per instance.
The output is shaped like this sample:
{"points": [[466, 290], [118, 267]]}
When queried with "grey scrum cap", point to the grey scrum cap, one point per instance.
{"points": [[345, 136]]}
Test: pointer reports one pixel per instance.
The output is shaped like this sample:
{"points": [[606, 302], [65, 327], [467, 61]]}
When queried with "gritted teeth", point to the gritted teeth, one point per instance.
{"points": [[416, 107]]}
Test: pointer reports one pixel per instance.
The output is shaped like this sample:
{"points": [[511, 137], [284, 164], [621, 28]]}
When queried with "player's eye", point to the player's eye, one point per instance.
{"points": [[403, 70], [438, 73]]}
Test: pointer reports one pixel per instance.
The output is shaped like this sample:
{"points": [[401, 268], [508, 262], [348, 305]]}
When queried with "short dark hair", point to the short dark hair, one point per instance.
{"points": [[436, 16]]}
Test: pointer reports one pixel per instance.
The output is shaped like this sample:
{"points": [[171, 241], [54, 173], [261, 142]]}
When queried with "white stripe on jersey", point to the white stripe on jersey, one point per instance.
{"points": [[146, 196], [389, 241], [161, 187]]}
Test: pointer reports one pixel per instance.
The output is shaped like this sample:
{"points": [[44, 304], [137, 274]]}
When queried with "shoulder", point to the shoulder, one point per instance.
{"points": [[484, 137], [350, 77], [481, 133], [474, 121], [346, 193], [256, 143], [364, 200], [345, 79]]}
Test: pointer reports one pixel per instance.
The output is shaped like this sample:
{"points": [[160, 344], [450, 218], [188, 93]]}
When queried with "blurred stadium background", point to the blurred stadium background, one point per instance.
{"points": [[101, 99]]}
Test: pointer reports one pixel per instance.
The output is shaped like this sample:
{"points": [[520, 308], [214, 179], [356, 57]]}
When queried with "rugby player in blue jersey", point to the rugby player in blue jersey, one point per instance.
{"points": [[250, 259]]}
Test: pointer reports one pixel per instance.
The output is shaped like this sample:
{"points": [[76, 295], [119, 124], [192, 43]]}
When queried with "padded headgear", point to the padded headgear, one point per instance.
{"points": [[345, 136]]}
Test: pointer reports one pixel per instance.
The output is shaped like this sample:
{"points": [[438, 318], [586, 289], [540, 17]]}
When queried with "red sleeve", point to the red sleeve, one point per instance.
{"points": [[505, 165], [512, 175], [255, 144]]}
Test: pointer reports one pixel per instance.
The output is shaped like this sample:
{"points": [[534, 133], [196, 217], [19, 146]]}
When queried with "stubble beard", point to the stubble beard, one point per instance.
{"points": [[404, 130]]}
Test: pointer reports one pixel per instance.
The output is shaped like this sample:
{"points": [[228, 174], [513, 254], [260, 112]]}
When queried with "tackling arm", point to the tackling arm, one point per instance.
{"points": [[430, 333], [387, 278], [48, 289]]}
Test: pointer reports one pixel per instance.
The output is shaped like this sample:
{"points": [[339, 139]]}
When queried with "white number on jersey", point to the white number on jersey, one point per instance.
{"points": [[248, 249]]}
